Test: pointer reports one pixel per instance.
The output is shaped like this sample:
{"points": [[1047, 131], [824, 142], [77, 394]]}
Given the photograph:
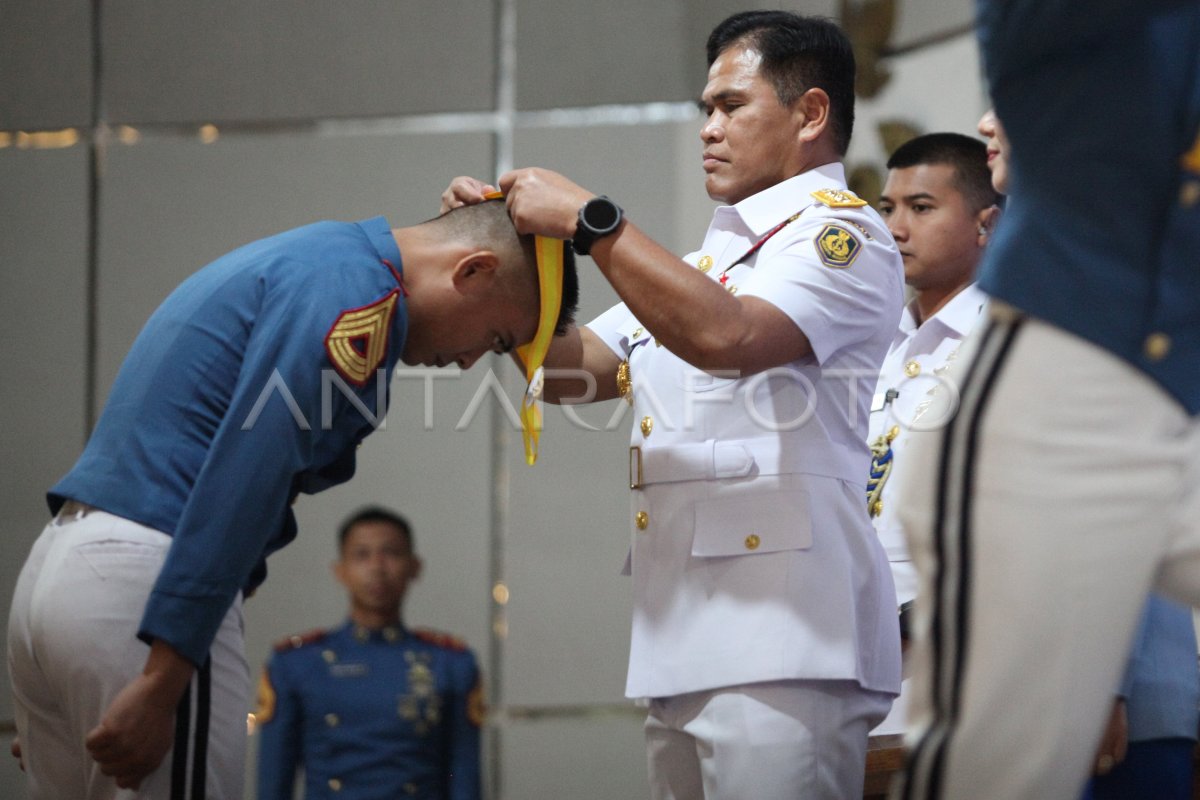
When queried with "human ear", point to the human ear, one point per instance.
{"points": [[813, 105], [475, 270], [987, 222]]}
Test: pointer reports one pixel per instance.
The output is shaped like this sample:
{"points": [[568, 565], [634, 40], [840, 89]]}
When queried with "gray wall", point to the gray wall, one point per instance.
{"points": [[348, 110]]}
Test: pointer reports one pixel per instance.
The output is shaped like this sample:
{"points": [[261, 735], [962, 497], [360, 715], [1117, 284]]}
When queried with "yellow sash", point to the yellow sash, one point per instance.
{"points": [[550, 278]]}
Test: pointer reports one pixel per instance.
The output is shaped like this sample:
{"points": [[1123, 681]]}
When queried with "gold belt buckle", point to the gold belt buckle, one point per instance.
{"points": [[635, 467]]}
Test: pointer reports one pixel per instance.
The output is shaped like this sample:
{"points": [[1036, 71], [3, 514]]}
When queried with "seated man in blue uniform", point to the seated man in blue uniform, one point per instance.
{"points": [[371, 709], [254, 381]]}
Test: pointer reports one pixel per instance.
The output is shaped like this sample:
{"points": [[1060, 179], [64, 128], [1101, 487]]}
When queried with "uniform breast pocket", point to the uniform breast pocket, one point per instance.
{"points": [[755, 523]]}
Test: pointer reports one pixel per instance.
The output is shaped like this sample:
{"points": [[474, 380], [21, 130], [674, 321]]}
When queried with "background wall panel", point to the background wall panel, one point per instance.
{"points": [[174, 61], [45, 64]]}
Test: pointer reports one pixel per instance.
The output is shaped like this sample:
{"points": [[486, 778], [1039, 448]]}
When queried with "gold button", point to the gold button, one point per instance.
{"points": [[642, 520], [876, 508], [391, 634], [329, 656], [912, 369], [332, 720], [335, 784], [1157, 346], [1189, 194], [732, 289], [704, 264], [410, 788], [636, 333], [752, 542], [647, 426]]}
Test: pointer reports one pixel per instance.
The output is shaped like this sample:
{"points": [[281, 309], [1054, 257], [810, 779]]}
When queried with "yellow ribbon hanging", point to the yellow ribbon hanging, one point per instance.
{"points": [[549, 253]]}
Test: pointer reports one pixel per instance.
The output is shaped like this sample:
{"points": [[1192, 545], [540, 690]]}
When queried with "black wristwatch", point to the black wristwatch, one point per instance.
{"points": [[597, 218]]}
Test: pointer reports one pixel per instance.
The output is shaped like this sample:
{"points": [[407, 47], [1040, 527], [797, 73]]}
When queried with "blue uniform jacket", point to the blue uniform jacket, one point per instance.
{"points": [[235, 397], [387, 714], [1162, 681], [1101, 236]]}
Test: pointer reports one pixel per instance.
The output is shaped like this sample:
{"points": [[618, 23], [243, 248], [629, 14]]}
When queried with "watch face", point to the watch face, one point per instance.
{"points": [[601, 214]]}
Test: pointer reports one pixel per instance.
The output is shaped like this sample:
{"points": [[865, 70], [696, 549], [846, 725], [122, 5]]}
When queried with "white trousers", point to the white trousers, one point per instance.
{"points": [[1065, 488], [72, 646], [783, 740]]}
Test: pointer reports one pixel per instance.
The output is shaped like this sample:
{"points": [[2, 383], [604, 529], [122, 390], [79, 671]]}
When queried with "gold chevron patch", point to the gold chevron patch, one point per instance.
{"points": [[357, 342]]}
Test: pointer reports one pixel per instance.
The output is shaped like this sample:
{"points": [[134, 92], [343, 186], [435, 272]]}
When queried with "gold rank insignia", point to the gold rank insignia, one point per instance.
{"points": [[837, 246], [839, 198], [265, 709], [357, 342]]}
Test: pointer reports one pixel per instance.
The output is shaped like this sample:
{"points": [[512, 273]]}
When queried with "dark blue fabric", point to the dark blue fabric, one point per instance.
{"points": [[382, 719], [1100, 236], [1160, 769]]}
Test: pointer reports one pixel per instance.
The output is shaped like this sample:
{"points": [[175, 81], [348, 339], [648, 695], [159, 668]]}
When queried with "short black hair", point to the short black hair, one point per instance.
{"points": [[965, 154], [798, 53], [376, 514], [488, 225], [570, 292]]}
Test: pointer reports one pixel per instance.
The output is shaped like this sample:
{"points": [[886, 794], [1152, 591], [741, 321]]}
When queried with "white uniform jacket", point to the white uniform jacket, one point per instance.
{"points": [[752, 557], [915, 365]]}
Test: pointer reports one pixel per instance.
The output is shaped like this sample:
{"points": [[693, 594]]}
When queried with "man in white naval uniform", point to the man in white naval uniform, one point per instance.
{"points": [[764, 623], [940, 207]]}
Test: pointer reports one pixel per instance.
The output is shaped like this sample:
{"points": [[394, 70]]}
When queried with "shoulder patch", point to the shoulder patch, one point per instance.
{"points": [[837, 246], [298, 640], [357, 342], [439, 639], [839, 198]]}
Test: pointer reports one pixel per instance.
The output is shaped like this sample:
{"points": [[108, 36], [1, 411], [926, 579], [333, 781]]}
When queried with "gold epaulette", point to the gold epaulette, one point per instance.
{"points": [[839, 198], [300, 640], [440, 639]]}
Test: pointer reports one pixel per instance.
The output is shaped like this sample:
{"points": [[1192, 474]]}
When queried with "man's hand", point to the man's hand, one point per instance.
{"points": [[1115, 742], [543, 202], [137, 729], [15, 749], [464, 191]]}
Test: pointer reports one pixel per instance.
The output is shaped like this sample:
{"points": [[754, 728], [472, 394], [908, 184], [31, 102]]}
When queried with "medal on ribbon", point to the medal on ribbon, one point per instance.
{"points": [[532, 354]]}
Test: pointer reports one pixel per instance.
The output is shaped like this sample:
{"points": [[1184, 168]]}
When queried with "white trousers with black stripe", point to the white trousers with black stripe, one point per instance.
{"points": [[72, 646], [1064, 489]]}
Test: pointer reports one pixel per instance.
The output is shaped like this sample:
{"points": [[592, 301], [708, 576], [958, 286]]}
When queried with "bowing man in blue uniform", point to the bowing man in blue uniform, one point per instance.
{"points": [[253, 382], [371, 709]]}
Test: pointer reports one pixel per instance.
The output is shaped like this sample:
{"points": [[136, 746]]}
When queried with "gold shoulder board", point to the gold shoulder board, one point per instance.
{"points": [[839, 198]]}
